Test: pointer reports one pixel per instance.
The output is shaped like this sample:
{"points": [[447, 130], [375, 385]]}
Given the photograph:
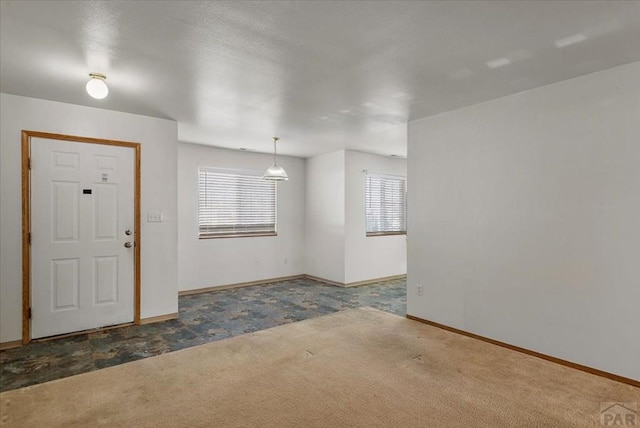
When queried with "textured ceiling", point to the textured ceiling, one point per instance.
{"points": [[322, 75]]}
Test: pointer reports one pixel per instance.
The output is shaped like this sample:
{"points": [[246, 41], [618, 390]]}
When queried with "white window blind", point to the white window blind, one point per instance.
{"points": [[386, 204], [235, 203]]}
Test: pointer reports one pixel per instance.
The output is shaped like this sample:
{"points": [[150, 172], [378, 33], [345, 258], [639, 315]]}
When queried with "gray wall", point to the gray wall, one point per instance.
{"points": [[524, 219], [216, 262], [159, 146]]}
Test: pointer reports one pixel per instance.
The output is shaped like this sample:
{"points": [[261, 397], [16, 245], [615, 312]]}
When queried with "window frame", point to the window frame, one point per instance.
{"points": [[234, 232], [403, 179]]}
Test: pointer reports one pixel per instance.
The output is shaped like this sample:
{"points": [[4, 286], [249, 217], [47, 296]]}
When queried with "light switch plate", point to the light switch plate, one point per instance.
{"points": [[155, 217]]}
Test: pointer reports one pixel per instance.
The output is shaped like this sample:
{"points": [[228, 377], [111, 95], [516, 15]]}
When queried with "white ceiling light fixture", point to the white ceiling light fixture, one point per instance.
{"points": [[96, 86], [275, 172]]}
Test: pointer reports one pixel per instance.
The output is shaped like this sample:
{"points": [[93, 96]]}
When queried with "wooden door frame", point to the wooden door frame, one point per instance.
{"points": [[26, 220]]}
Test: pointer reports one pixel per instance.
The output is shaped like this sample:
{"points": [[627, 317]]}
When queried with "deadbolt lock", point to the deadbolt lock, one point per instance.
{"points": [[127, 232]]}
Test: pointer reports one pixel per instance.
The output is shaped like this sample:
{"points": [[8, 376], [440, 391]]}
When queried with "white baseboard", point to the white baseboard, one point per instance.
{"points": [[239, 285], [356, 283]]}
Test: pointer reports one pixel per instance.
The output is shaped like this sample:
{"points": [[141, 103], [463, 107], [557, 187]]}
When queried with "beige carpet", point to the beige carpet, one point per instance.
{"points": [[358, 368]]}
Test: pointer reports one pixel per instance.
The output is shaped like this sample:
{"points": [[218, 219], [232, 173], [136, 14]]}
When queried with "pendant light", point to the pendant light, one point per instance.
{"points": [[275, 172], [96, 86]]}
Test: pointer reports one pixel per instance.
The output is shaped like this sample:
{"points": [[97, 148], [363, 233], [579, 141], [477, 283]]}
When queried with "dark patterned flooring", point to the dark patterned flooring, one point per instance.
{"points": [[203, 318]]}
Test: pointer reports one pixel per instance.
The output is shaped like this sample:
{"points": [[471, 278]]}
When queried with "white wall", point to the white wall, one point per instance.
{"points": [[375, 256], [524, 219], [337, 247], [159, 175], [215, 262], [325, 216]]}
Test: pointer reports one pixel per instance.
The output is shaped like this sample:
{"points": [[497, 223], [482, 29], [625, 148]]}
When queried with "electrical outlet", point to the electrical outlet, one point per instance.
{"points": [[420, 290]]}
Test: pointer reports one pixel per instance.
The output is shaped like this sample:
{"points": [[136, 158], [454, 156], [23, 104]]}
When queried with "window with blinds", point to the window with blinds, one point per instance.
{"points": [[234, 203], [386, 204]]}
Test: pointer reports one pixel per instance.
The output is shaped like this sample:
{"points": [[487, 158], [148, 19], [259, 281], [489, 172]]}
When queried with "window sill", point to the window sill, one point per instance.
{"points": [[371, 234], [237, 235]]}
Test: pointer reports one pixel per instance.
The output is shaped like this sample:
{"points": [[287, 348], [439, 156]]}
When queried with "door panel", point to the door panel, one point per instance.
{"points": [[82, 202], [105, 210], [105, 280], [64, 284], [64, 211]]}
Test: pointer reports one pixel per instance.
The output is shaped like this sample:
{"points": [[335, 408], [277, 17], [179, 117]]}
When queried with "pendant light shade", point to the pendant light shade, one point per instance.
{"points": [[275, 172], [96, 86]]}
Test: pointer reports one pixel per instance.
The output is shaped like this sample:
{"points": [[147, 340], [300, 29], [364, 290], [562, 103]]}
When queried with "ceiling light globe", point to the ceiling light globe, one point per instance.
{"points": [[96, 87]]}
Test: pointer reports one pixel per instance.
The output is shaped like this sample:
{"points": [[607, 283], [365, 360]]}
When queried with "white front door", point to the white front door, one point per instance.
{"points": [[82, 217]]}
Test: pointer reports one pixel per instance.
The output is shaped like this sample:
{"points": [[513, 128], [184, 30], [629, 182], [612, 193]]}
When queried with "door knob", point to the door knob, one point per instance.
{"points": [[127, 244], [127, 232]]}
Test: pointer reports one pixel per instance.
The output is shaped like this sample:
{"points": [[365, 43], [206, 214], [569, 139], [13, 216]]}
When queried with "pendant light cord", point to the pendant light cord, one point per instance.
{"points": [[274, 149]]}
